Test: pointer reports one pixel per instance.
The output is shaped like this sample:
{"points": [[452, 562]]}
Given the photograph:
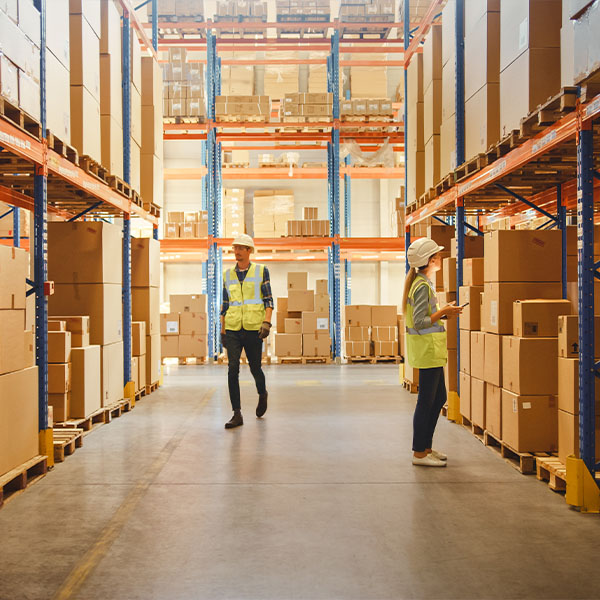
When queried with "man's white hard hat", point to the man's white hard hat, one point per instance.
{"points": [[420, 251], [243, 240]]}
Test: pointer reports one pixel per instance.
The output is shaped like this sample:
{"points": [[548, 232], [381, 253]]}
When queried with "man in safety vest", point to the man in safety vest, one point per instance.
{"points": [[245, 323]]}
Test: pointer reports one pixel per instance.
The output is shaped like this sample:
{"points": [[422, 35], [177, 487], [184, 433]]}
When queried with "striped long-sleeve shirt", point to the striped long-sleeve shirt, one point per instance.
{"points": [[265, 289]]}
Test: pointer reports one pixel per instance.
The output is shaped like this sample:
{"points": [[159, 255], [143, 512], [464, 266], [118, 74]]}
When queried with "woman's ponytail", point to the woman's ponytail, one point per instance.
{"points": [[410, 277]]}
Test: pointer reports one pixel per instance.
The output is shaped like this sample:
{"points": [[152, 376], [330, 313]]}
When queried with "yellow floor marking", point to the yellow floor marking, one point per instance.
{"points": [[92, 558]]}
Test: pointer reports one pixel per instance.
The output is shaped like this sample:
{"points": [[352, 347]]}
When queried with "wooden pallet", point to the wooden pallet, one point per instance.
{"points": [[98, 417], [410, 386], [193, 360], [374, 359], [66, 441], [66, 151], [117, 184], [11, 112], [550, 469], [524, 462], [304, 18], [243, 118], [470, 167], [22, 476], [91, 167], [182, 120], [474, 429], [136, 199], [152, 209], [151, 388], [314, 165], [243, 165], [303, 360], [548, 113], [277, 165]]}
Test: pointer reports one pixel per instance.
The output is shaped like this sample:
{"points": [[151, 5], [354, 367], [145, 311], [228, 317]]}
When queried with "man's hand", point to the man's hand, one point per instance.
{"points": [[224, 339], [264, 330]]}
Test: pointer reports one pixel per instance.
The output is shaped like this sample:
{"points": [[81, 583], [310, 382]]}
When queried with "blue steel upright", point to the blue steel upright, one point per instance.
{"points": [[561, 221], [16, 215], [406, 45], [203, 160], [40, 243], [586, 270], [347, 227], [460, 158], [126, 50], [334, 195], [155, 25]]}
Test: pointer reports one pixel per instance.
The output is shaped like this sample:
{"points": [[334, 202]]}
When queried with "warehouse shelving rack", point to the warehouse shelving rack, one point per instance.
{"points": [[549, 174], [44, 182], [326, 135]]}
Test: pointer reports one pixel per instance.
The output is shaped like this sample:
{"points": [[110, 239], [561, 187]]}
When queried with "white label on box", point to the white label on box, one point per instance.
{"points": [[323, 323], [523, 33], [526, 405], [172, 327], [494, 313]]}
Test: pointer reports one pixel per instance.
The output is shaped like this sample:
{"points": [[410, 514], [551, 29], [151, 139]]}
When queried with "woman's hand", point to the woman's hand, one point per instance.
{"points": [[451, 310]]}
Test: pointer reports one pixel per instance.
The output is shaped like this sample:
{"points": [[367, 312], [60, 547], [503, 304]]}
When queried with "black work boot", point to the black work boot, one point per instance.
{"points": [[235, 421], [261, 408]]}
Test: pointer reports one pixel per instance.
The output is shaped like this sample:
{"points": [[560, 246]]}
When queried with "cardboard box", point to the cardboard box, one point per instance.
{"points": [[477, 354], [482, 120], [194, 303], [58, 94], [308, 323], [568, 336], [102, 303], [384, 334], [568, 436], [492, 361], [478, 402], [493, 410], [301, 300], [538, 318], [138, 338], [482, 50], [297, 280], [99, 252], [465, 395], [288, 344], [85, 55], [449, 270], [145, 262], [59, 346], [473, 272], [18, 418], [292, 326], [134, 372], [358, 315], [169, 346], [385, 348], [153, 359], [359, 349], [14, 268], [169, 324], [529, 365], [471, 314], [529, 423], [78, 326], [383, 316], [193, 346], [316, 345], [322, 305], [465, 351], [85, 382], [568, 386], [145, 306], [85, 123], [193, 323], [498, 298], [59, 405], [59, 378], [141, 372], [474, 245], [357, 334], [112, 364], [451, 372]]}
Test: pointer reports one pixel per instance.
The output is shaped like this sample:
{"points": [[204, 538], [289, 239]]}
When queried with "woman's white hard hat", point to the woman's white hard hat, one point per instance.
{"points": [[420, 251], [243, 240]]}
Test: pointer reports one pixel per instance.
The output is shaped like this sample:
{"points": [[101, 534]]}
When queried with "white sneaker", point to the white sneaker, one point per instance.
{"points": [[438, 455], [428, 461]]}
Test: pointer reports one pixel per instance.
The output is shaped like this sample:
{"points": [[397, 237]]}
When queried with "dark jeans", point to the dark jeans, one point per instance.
{"points": [[252, 344], [431, 399]]}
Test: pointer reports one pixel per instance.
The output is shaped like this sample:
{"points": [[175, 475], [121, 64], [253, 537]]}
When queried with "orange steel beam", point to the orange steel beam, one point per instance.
{"points": [[24, 243], [16, 198], [308, 61], [424, 27], [335, 24], [21, 144], [276, 257]]}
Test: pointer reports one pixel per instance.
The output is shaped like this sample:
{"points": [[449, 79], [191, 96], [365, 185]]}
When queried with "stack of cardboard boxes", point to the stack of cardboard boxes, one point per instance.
{"points": [[281, 79], [272, 211], [186, 224], [482, 76], [145, 301], [584, 56], [232, 156], [360, 108], [313, 106], [369, 82], [7, 222], [151, 164], [138, 354], [371, 331], [74, 369], [183, 86], [184, 330], [89, 283], [529, 57], [415, 143], [18, 375], [180, 9], [310, 226], [234, 212], [432, 104], [243, 107], [303, 319], [361, 11], [294, 11], [84, 33], [111, 102], [250, 10]]}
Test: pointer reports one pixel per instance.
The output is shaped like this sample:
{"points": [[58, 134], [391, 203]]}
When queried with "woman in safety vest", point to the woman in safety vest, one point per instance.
{"points": [[426, 348]]}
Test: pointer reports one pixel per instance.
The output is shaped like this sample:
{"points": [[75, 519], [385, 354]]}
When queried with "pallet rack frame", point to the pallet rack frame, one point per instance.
{"points": [[582, 473]]}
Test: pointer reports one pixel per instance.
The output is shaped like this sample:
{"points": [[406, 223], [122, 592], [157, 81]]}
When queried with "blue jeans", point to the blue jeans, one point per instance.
{"points": [[431, 399]]}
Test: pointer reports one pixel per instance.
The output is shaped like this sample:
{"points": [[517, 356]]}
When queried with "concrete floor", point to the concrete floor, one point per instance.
{"points": [[317, 500]]}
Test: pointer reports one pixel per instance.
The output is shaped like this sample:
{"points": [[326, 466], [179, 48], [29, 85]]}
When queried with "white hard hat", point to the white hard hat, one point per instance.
{"points": [[420, 251], [243, 240]]}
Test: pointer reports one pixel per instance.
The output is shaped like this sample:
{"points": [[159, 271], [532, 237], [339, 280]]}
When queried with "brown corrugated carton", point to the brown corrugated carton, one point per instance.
{"points": [[145, 306], [193, 346], [482, 120], [473, 271], [297, 280], [85, 55], [145, 262], [383, 316], [568, 336], [169, 324], [322, 305], [292, 326], [18, 418], [493, 410], [85, 123], [59, 346], [538, 318], [316, 345], [193, 323], [451, 372], [384, 334], [85, 382], [465, 395], [358, 315], [385, 348], [59, 405], [471, 314], [482, 51], [112, 365], [529, 423], [14, 268], [138, 338], [301, 300], [465, 351], [478, 402], [568, 436], [59, 378], [356, 334], [432, 110], [153, 358], [477, 354], [288, 344], [449, 274], [321, 286], [492, 362], [141, 372], [194, 303], [473, 246], [568, 386], [529, 365], [432, 55], [169, 345]]}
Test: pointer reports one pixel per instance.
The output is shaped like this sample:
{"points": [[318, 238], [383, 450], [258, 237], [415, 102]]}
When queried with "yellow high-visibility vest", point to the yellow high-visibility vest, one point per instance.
{"points": [[425, 348], [246, 307]]}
